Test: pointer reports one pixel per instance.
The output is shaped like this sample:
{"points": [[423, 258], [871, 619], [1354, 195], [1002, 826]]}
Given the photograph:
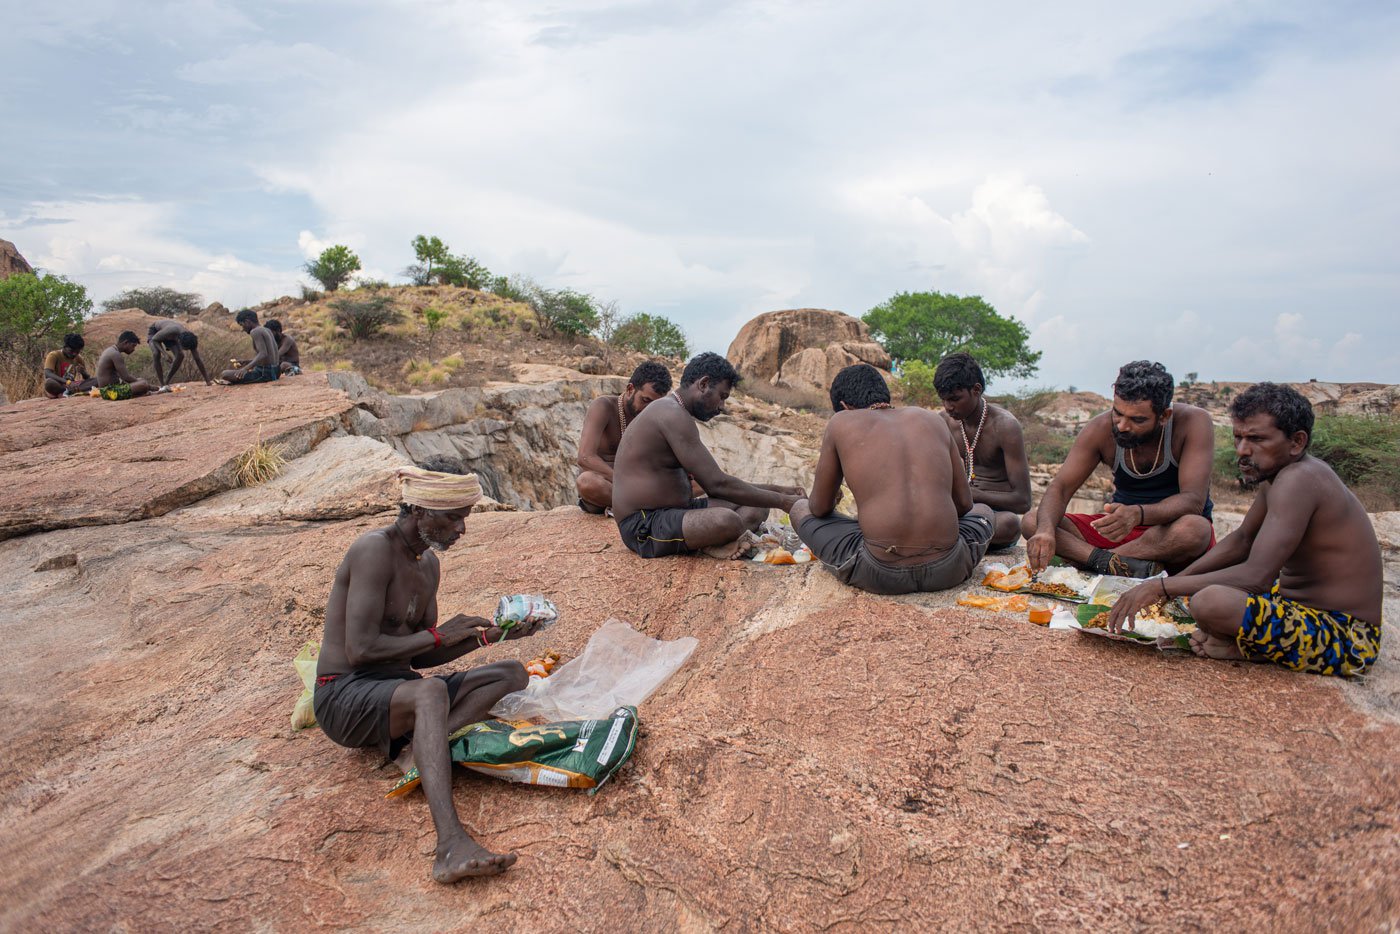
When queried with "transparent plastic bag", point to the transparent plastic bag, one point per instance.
{"points": [[304, 714], [526, 608], [619, 667]]}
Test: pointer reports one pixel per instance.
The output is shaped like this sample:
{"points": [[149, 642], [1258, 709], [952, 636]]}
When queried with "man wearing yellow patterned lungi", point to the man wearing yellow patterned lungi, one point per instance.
{"points": [[1299, 582]]}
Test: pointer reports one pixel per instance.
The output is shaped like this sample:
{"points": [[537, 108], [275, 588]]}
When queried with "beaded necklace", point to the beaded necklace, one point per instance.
{"points": [[972, 446]]}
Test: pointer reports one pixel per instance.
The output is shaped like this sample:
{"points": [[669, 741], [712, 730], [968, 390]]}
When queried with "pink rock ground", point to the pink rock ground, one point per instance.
{"points": [[827, 760], [85, 461]]}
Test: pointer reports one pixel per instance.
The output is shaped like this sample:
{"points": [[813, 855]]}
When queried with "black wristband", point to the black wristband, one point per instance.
{"points": [[1142, 514], [1165, 595]]}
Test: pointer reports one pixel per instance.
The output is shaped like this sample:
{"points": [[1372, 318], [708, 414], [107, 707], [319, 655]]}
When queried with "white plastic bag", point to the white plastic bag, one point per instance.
{"points": [[619, 667]]}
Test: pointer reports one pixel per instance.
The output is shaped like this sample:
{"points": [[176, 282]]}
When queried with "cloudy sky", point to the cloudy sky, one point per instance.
{"points": [[1215, 185]]}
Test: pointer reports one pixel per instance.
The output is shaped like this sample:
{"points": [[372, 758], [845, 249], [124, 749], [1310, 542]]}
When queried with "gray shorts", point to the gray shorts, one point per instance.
{"points": [[353, 709], [839, 543]]}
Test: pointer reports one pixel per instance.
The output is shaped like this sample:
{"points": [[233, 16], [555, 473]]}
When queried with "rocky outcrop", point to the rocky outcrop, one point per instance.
{"points": [[804, 348], [11, 262]]}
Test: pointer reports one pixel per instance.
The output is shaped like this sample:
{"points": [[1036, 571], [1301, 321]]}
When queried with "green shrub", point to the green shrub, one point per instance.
{"points": [[916, 383], [334, 267], [651, 334], [364, 318], [308, 294], [565, 311], [158, 300], [514, 288], [1364, 450], [463, 272], [36, 310]]}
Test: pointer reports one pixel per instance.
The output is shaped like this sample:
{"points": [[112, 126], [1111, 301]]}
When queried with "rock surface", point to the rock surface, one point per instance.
{"points": [[11, 262], [803, 348]]}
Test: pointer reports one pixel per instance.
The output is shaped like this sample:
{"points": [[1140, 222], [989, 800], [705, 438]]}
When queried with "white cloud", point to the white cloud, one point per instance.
{"points": [[267, 63]]}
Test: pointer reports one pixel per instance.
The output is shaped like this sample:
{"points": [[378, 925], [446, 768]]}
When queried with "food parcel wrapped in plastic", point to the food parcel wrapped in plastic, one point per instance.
{"points": [[571, 754], [525, 608]]}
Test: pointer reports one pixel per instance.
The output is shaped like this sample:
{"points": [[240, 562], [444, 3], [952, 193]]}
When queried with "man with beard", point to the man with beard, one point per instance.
{"points": [[661, 450], [607, 418], [1300, 582], [919, 529], [993, 450], [1161, 456], [382, 624]]}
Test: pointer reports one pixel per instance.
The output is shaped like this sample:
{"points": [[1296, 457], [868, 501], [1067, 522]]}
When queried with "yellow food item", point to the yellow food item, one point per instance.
{"points": [[779, 556], [1017, 603], [1015, 580], [1040, 615], [979, 601]]}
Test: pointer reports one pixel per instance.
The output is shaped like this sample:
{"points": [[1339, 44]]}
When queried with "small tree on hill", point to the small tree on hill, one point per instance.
{"points": [[652, 334], [565, 311], [334, 267], [431, 253], [434, 319], [464, 272], [365, 318], [928, 326], [157, 300]]}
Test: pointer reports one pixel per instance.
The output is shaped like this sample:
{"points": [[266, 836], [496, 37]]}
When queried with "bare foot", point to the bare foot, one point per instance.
{"points": [[1208, 646], [464, 857], [741, 547]]}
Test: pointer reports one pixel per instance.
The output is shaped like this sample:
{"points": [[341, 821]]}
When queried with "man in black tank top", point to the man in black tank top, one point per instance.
{"points": [[1159, 515]]}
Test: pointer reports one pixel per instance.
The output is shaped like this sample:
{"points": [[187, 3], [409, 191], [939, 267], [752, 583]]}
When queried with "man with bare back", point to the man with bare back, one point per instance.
{"points": [[657, 513], [112, 372], [607, 418], [1161, 454], [1300, 582], [919, 529], [266, 365], [381, 625], [174, 338], [993, 449]]}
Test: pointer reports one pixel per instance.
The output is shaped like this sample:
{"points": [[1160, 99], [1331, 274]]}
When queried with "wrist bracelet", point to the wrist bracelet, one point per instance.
{"points": [[1165, 595], [437, 639], [1142, 515], [481, 638]]}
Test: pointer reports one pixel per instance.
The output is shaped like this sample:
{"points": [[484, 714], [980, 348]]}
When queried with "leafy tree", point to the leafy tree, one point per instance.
{"points": [[927, 326], [333, 267], [514, 288], [916, 381], [431, 252], [434, 319], [36, 310], [157, 300], [463, 271], [651, 334], [565, 311], [364, 319]]}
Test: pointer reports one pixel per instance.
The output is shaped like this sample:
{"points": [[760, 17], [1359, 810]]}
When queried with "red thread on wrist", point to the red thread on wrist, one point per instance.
{"points": [[437, 639]]}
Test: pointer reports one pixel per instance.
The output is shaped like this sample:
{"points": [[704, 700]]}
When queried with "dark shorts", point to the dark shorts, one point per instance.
{"points": [[353, 709], [656, 533], [840, 544], [260, 374], [1323, 642]]}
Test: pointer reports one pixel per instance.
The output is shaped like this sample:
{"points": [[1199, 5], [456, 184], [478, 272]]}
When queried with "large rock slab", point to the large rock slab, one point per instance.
{"points": [[827, 759], [85, 461], [803, 348], [12, 263]]}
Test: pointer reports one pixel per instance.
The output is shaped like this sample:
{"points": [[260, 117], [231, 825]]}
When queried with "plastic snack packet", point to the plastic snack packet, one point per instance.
{"points": [[525, 608]]}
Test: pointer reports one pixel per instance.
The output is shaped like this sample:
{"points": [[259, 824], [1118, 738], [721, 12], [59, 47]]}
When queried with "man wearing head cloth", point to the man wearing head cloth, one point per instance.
{"points": [[382, 624]]}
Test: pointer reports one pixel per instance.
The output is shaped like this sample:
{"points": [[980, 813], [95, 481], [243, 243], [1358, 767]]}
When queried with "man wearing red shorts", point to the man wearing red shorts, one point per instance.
{"points": [[1159, 515]]}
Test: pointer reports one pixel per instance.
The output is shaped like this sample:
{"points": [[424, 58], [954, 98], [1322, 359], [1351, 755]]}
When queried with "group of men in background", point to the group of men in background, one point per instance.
{"points": [[66, 373], [1299, 583]]}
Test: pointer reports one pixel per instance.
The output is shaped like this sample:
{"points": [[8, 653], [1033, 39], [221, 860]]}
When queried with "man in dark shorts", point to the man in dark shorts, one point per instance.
{"points": [[381, 625], [991, 444], [111, 368], [1161, 455], [919, 529], [607, 418], [1300, 582], [287, 350], [174, 337], [265, 367], [653, 499], [65, 370]]}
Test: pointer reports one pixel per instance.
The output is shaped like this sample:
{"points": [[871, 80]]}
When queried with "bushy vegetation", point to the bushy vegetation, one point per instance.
{"points": [[157, 300], [564, 311], [650, 334], [36, 310], [437, 264], [423, 373], [1364, 450], [365, 318], [334, 267], [927, 326], [915, 382]]}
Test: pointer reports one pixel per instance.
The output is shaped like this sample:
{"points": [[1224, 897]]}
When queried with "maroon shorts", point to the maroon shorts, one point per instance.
{"points": [[1091, 535]]}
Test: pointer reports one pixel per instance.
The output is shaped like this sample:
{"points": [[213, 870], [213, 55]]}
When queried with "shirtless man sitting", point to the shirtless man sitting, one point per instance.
{"points": [[993, 449], [919, 529], [1299, 583], [381, 625], [607, 418], [65, 370], [265, 367], [661, 450], [1161, 455], [287, 350], [174, 337], [111, 367]]}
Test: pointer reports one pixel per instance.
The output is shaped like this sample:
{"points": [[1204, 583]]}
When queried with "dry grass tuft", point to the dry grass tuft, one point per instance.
{"points": [[259, 464]]}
